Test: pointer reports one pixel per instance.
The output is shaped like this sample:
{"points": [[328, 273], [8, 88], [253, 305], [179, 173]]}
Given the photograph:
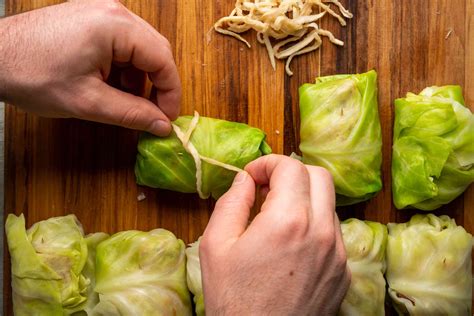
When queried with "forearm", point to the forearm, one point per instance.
{"points": [[15, 47], [5, 58]]}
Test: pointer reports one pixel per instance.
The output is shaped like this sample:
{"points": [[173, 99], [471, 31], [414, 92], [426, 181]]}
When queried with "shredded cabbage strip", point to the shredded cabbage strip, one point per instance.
{"points": [[291, 23], [185, 138]]}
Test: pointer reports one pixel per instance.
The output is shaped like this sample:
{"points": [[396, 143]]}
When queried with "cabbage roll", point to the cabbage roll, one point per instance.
{"points": [[193, 277], [92, 240], [365, 244], [141, 273], [47, 263], [220, 149], [429, 266], [340, 131], [433, 148]]}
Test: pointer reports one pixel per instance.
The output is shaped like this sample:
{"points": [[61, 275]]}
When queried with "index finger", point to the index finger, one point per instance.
{"points": [[148, 50], [323, 196], [287, 180]]}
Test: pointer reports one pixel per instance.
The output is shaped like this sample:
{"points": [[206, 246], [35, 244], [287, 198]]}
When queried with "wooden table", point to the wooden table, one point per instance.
{"points": [[56, 167]]}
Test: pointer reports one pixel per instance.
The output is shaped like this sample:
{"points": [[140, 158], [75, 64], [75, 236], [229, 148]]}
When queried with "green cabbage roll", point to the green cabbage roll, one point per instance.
{"points": [[429, 266], [365, 244], [166, 163], [433, 148], [47, 263], [141, 273], [340, 131], [193, 277], [92, 240]]}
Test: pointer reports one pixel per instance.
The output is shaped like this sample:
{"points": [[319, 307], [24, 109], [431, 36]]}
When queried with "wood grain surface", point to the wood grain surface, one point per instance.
{"points": [[57, 167]]}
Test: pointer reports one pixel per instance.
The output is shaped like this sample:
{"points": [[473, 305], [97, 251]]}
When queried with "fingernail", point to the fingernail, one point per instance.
{"points": [[240, 178], [160, 128]]}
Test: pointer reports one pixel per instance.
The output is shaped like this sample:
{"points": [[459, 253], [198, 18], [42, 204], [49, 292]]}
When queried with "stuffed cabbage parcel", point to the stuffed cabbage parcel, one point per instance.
{"points": [[193, 277], [433, 148], [47, 263], [365, 244], [92, 240], [340, 131], [166, 163], [429, 266], [141, 273]]}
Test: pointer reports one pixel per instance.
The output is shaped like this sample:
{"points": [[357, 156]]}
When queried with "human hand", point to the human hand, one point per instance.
{"points": [[55, 62], [290, 260]]}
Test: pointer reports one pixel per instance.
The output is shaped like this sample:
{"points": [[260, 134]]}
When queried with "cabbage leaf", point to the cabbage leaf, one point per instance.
{"points": [[47, 262], [340, 131], [433, 148], [193, 277], [429, 266], [142, 273], [92, 240], [365, 244]]}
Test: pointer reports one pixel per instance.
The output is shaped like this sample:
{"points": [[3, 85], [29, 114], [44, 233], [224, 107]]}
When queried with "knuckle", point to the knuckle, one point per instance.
{"points": [[347, 277], [223, 201], [291, 167], [112, 8], [205, 247], [131, 118], [326, 240], [167, 45], [341, 260], [294, 164], [294, 226], [226, 201], [168, 67], [113, 12], [297, 224], [322, 173], [86, 107], [286, 161], [108, 15], [235, 198]]}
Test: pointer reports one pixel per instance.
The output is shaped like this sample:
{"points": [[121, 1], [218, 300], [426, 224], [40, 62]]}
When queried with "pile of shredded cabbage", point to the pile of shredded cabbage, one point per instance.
{"points": [[291, 23], [185, 138]]}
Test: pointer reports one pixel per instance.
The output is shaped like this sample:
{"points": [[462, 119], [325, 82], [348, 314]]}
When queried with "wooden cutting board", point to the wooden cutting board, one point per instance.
{"points": [[57, 167]]}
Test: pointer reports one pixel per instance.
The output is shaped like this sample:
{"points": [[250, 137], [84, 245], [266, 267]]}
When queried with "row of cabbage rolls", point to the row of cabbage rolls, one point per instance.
{"points": [[433, 145], [57, 270]]}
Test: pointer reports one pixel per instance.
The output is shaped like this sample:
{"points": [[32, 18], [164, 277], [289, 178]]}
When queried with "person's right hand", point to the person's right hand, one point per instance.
{"points": [[290, 260], [56, 61]]}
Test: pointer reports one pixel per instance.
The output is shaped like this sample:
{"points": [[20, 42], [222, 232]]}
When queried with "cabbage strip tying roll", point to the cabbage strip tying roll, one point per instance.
{"points": [[340, 131], [201, 155], [433, 148]]}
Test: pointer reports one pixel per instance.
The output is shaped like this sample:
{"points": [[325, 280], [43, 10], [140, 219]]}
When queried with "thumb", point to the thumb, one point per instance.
{"points": [[231, 213], [113, 106]]}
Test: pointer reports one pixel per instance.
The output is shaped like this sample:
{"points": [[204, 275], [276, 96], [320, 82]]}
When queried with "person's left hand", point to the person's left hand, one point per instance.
{"points": [[56, 62]]}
